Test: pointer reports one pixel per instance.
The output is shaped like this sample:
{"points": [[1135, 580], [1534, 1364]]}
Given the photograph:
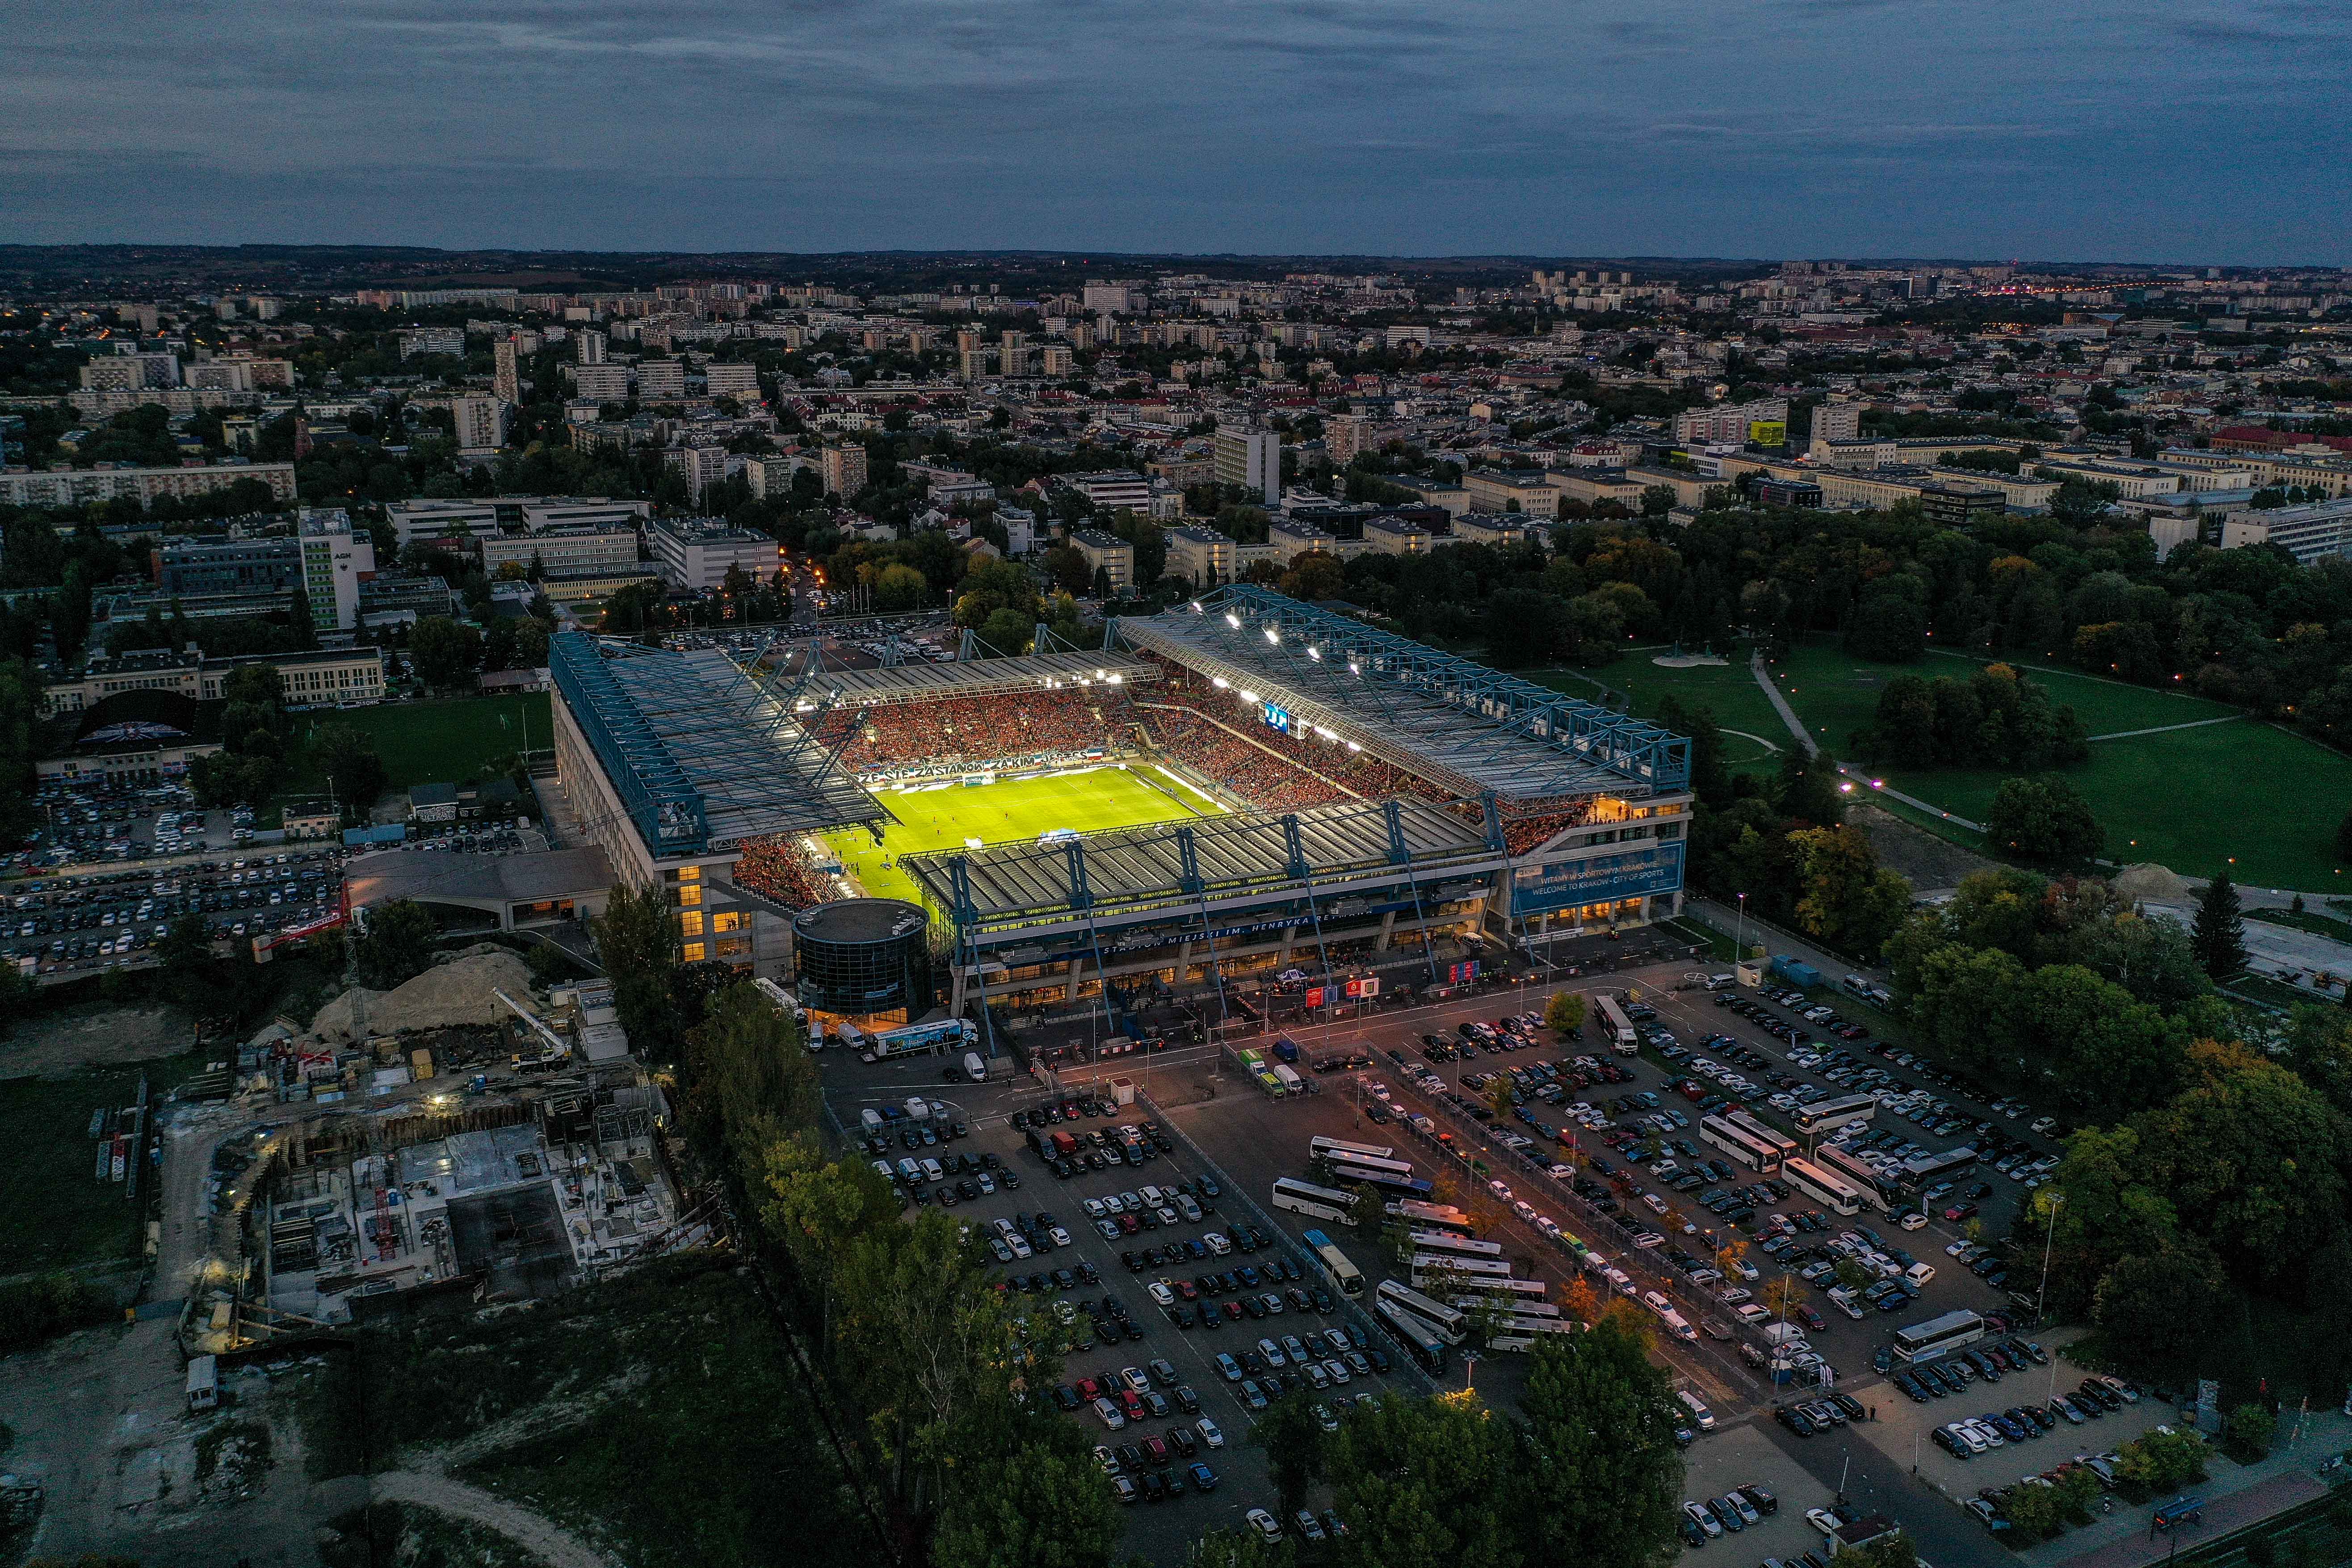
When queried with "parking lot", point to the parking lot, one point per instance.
{"points": [[99, 919], [1089, 1318], [1744, 1458]]}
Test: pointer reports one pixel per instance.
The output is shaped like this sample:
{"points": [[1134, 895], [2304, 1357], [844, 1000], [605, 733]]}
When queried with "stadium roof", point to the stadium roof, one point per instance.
{"points": [[979, 677], [1434, 714], [1249, 852], [701, 755]]}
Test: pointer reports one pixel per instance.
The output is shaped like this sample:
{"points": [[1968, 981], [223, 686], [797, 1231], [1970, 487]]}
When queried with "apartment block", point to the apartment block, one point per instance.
{"points": [[1251, 457], [1107, 554], [335, 559], [1201, 554], [695, 552]]}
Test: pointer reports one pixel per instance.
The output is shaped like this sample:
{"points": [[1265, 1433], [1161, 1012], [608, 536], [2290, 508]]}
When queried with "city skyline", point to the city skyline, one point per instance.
{"points": [[1698, 128]]}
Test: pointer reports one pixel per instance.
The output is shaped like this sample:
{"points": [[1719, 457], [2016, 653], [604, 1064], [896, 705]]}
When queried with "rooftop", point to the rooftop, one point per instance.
{"points": [[1460, 724]]}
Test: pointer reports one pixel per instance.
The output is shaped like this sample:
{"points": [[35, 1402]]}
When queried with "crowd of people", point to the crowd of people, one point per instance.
{"points": [[1250, 773], [1524, 833], [1013, 730], [779, 869]]}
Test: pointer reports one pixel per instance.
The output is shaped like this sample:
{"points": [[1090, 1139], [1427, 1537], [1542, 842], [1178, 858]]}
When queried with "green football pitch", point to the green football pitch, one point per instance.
{"points": [[951, 815]]}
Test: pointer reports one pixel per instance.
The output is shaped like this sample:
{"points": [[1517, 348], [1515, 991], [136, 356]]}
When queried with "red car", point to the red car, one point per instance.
{"points": [[1132, 1403], [1232, 1309], [1187, 1290], [1958, 1212], [1810, 1319], [1090, 1389]]}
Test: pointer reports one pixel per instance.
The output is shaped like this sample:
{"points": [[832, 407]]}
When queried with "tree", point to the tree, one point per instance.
{"points": [[2033, 1510], [2246, 1433], [397, 944], [1564, 1012], [1847, 898], [746, 1073], [447, 655], [1242, 1549], [1806, 789], [1890, 625], [1045, 1505], [1599, 1477], [2044, 820], [2156, 1311], [1293, 1441], [2219, 935], [357, 775], [1894, 1551], [1418, 1480], [2344, 837], [637, 938], [2161, 1462]]}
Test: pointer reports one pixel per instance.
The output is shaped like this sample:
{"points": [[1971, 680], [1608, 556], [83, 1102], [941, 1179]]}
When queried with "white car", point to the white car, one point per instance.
{"points": [[1821, 1519], [1262, 1522], [1160, 1293], [1212, 1435], [1500, 1188], [1061, 1237], [1094, 1208], [1215, 1242]]}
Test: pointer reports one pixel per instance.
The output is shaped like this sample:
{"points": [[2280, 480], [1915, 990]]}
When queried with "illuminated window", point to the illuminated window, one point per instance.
{"points": [[727, 920], [689, 873], [693, 953], [690, 922], [688, 897], [734, 947]]}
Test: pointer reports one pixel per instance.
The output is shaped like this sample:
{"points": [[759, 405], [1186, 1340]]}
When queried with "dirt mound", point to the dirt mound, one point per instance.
{"points": [[60, 1044], [1930, 862], [2148, 882], [459, 992]]}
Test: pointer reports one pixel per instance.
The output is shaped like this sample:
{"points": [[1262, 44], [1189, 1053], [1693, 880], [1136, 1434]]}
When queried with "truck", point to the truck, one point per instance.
{"points": [[1797, 972], [1065, 1144]]}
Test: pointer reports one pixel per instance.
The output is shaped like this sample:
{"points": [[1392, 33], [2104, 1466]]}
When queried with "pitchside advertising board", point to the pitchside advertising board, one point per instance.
{"points": [[1656, 869]]}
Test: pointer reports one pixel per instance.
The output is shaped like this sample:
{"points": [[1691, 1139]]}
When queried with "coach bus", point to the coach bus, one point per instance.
{"points": [[1770, 1137], [1420, 1341], [1330, 1206], [1833, 1192], [1744, 1147], [1518, 1332], [924, 1039], [1476, 1287], [1446, 1323], [1829, 1115], [1620, 1028], [1324, 1160], [1854, 1169], [1928, 1169], [1430, 1217], [1343, 1275], [1938, 1336], [1324, 1148], [1388, 1181], [1443, 1244]]}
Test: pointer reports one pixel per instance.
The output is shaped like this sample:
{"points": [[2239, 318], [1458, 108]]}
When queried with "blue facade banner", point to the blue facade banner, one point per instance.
{"points": [[1654, 868]]}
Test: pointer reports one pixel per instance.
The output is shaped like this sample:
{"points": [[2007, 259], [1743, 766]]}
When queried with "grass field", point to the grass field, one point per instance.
{"points": [[427, 742], [2242, 796], [58, 1214], [1727, 690], [933, 817]]}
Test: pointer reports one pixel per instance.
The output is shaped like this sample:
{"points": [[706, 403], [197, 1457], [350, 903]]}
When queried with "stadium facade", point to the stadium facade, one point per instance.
{"points": [[1388, 805]]}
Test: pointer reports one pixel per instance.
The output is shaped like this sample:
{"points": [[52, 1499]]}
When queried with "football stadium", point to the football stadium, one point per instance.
{"points": [[1241, 787]]}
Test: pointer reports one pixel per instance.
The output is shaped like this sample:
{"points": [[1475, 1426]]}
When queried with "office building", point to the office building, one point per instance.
{"points": [[1957, 505], [1528, 490], [311, 679], [2311, 533], [1251, 457], [1110, 488], [566, 551], [228, 565], [695, 552], [335, 559]]}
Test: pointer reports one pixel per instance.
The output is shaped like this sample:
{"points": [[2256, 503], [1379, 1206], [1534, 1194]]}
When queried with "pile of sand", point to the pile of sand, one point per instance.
{"points": [[457, 992], [2149, 883]]}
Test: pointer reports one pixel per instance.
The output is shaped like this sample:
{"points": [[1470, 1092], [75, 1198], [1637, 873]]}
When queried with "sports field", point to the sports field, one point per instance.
{"points": [[950, 814]]}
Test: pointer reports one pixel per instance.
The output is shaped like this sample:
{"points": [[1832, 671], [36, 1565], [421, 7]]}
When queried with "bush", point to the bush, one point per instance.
{"points": [[2246, 1433], [34, 1310], [1564, 1012]]}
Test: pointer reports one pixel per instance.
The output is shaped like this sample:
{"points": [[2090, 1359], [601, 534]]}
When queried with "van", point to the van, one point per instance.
{"points": [[933, 1172], [203, 1382], [1698, 1410], [910, 1173], [974, 1068], [1918, 1274], [871, 1120]]}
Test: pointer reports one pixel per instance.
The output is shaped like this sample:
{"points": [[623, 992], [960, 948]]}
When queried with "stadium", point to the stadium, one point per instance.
{"points": [[1243, 789]]}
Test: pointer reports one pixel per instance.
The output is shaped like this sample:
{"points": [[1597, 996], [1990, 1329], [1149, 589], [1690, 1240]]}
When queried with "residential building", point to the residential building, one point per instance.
{"points": [[1020, 526], [1111, 557], [695, 552], [78, 487], [598, 382], [1292, 539], [1593, 486], [1732, 424], [588, 346], [1394, 536], [336, 559], [450, 341], [130, 372], [843, 469], [699, 467], [1250, 456], [482, 424], [733, 379], [1201, 554], [1498, 528], [2312, 533], [1839, 419], [506, 377], [661, 381]]}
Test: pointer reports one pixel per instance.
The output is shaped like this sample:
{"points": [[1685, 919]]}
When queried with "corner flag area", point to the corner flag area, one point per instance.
{"points": [[946, 815]]}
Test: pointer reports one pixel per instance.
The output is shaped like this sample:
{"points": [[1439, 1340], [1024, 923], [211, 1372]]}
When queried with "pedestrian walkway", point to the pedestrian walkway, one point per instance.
{"points": [[2168, 729], [1781, 704], [1913, 801]]}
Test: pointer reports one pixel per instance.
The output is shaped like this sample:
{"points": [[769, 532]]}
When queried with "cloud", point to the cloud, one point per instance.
{"points": [[1823, 127]]}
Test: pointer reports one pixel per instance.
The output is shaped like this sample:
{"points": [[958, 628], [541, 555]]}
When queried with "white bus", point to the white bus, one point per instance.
{"points": [[1326, 1204], [1833, 1193], [1498, 1285], [1440, 1263], [1430, 1217], [1928, 1169], [1386, 1178], [1318, 1147], [1938, 1336], [1379, 1164], [1829, 1115], [1439, 1242], [1444, 1321], [1522, 1309], [1744, 1147], [1854, 1169], [1424, 1342], [1520, 1333], [1620, 1028], [1771, 1137], [1344, 1275]]}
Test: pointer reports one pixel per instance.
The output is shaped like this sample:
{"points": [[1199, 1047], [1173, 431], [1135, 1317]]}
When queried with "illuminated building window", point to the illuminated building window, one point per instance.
{"points": [[688, 897], [689, 873], [727, 920], [690, 923], [693, 953]]}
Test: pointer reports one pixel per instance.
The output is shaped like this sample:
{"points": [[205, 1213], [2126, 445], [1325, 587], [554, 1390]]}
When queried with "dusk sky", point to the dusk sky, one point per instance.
{"points": [[2193, 130]]}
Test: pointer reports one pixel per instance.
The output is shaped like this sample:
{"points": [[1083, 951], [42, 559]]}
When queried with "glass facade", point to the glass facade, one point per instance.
{"points": [[864, 957]]}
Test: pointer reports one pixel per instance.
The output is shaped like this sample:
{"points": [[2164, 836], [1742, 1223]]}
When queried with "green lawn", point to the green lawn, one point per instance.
{"points": [[2244, 796], [1728, 691], [57, 1212], [443, 741], [1008, 813]]}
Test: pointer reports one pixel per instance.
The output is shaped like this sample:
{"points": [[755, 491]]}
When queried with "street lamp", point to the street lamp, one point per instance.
{"points": [[1739, 947]]}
